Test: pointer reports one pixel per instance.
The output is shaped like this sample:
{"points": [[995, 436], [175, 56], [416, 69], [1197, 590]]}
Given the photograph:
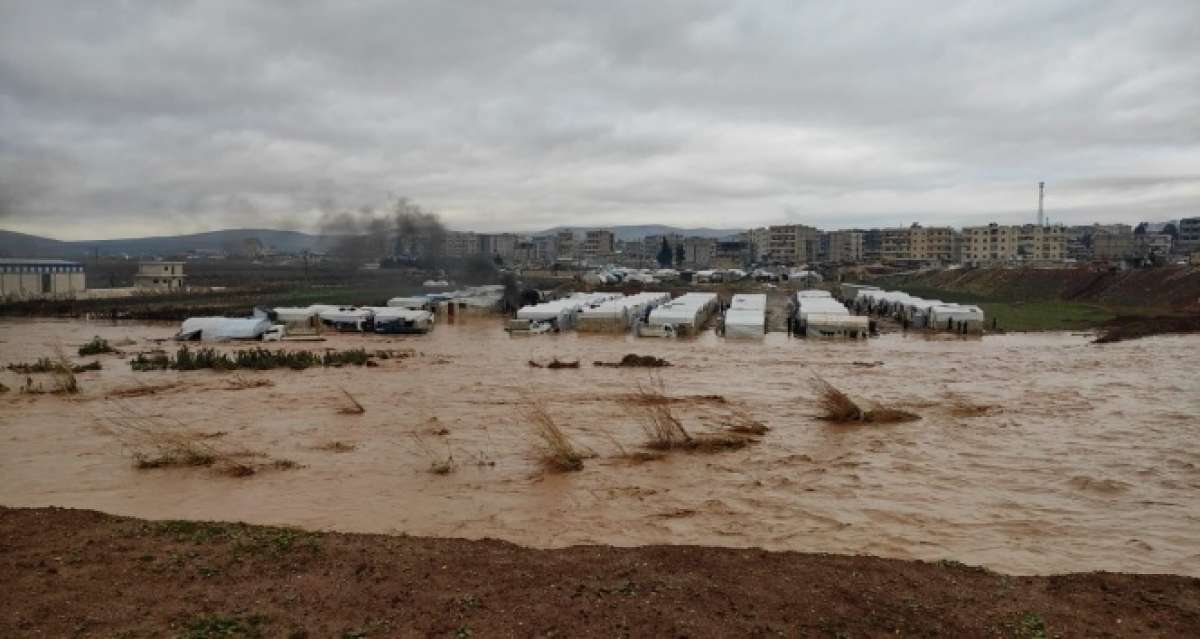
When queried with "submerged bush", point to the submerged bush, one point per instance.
{"points": [[97, 346], [257, 358]]}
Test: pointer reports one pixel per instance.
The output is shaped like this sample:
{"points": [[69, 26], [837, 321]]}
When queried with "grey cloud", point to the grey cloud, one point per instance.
{"points": [[166, 116]]}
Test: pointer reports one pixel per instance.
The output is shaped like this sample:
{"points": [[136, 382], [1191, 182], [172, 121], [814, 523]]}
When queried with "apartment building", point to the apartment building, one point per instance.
{"points": [[1112, 242], [1189, 235], [698, 251], [793, 244], [932, 244], [565, 246], [1018, 243], [759, 242], [840, 247], [598, 244], [893, 244], [732, 254], [461, 244], [503, 245]]}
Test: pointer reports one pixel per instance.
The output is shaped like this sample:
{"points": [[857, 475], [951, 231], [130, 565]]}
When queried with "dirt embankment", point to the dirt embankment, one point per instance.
{"points": [[82, 573], [1159, 288]]}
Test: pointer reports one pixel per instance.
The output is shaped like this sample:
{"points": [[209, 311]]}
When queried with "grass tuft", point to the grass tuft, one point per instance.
{"points": [[557, 452]]}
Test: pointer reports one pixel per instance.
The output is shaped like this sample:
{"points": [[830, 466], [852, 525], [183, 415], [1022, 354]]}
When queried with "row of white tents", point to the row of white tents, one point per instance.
{"points": [[913, 311], [817, 314], [411, 314]]}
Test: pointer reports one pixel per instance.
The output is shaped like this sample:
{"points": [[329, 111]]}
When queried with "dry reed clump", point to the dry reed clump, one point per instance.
{"points": [[352, 407], [744, 424], [837, 407], [663, 429], [557, 452]]}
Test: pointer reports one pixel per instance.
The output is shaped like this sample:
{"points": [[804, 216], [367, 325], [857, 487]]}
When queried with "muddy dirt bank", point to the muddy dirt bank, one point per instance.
{"points": [[1034, 454], [85, 574]]}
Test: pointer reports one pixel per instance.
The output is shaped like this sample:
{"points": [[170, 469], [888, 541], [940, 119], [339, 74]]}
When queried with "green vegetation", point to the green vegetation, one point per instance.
{"points": [[1044, 316], [96, 347], [47, 365], [253, 359]]}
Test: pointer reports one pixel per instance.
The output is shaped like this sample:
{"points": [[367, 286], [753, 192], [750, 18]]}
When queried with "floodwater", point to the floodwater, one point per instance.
{"points": [[1071, 456]]}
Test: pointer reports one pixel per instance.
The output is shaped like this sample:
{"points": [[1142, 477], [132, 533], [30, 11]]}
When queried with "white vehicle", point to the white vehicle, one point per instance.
{"points": [[275, 334]]}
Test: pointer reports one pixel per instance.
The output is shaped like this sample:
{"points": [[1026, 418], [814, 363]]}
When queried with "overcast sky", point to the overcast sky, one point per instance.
{"points": [[137, 118]]}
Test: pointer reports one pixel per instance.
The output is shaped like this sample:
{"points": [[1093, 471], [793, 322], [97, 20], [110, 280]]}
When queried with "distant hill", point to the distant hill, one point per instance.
{"points": [[13, 244], [638, 232], [21, 245]]}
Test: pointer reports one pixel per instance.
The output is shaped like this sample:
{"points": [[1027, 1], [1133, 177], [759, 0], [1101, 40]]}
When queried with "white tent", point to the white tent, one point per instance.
{"points": [[346, 318], [684, 315], [819, 325], [747, 316], [219, 329], [391, 319], [417, 303]]}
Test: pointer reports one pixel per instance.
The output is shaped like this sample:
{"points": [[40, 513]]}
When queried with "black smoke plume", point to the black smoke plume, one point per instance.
{"points": [[401, 233]]}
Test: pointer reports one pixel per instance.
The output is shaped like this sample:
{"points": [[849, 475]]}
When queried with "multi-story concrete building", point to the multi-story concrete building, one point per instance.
{"points": [[698, 251], [461, 244], [793, 244], [598, 244], [1112, 242], [1028, 243], [1153, 245], [565, 246], [893, 245], [652, 244], [732, 254], [932, 243], [503, 245], [872, 245], [842, 247], [759, 241], [1189, 235], [22, 279], [159, 276]]}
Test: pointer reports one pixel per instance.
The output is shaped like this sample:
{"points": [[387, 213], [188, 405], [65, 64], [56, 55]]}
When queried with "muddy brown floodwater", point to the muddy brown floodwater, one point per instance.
{"points": [[1035, 454]]}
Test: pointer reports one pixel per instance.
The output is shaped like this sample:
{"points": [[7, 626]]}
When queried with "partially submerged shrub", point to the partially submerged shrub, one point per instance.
{"points": [[52, 365], [97, 346], [634, 360], [554, 363], [257, 358], [837, 407], [557, 451]]}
